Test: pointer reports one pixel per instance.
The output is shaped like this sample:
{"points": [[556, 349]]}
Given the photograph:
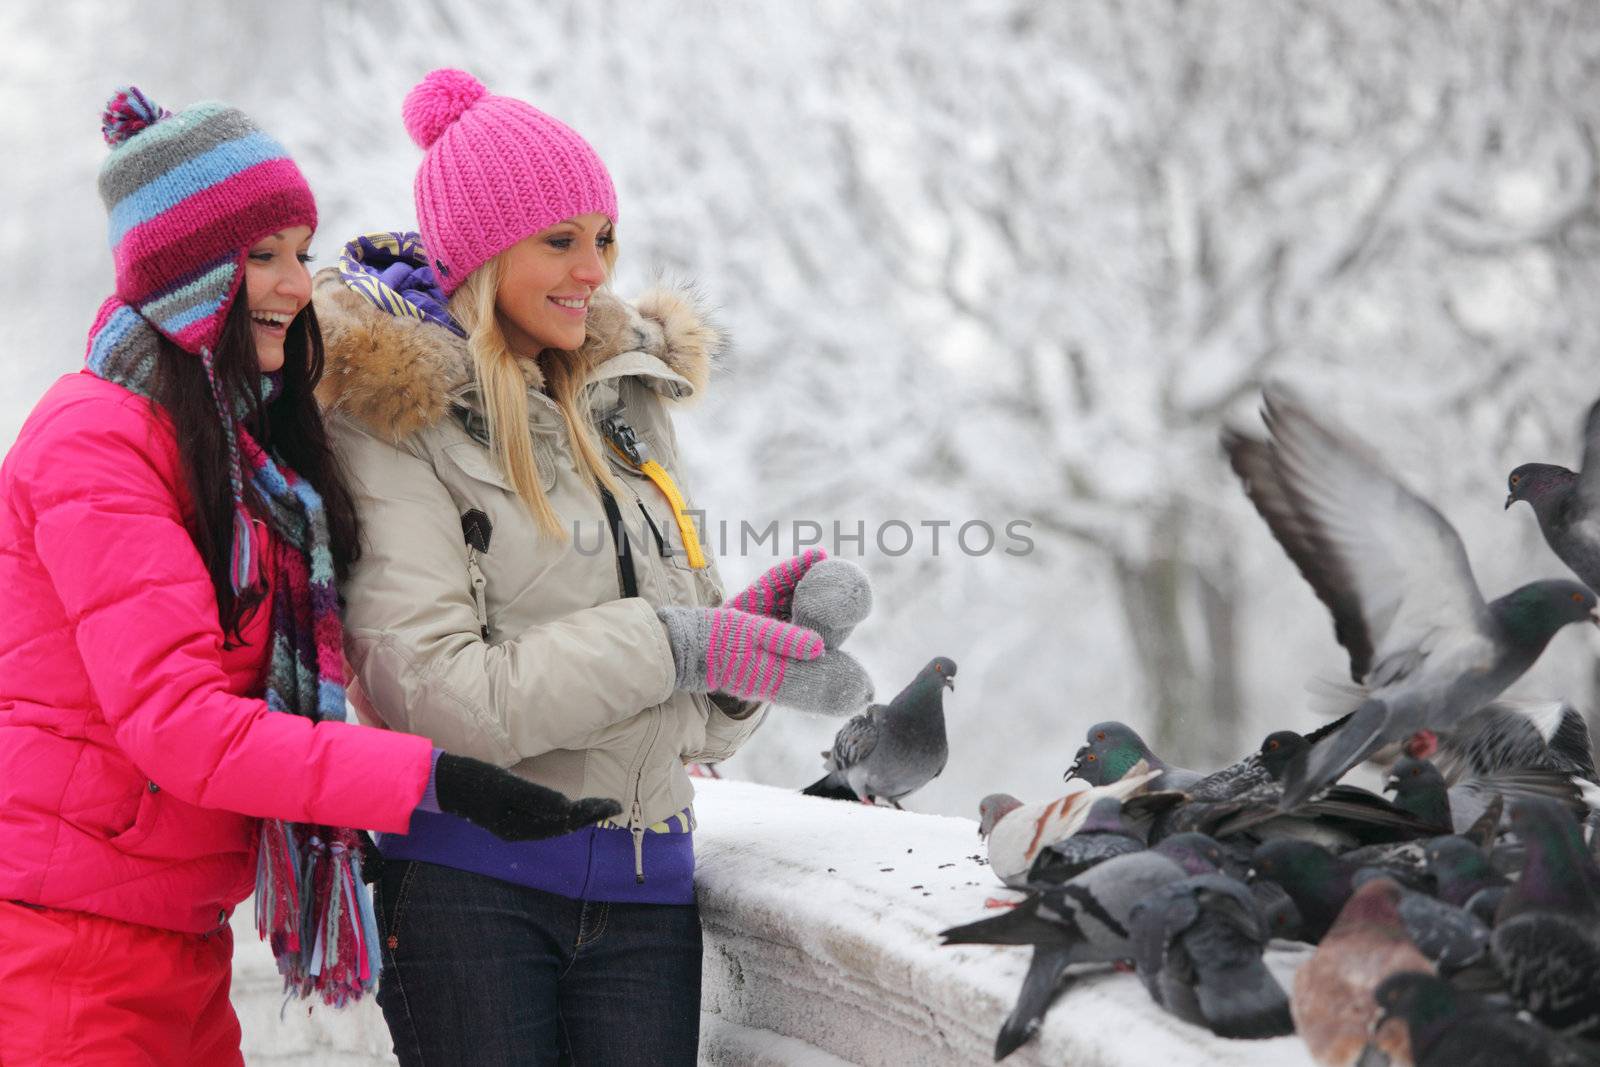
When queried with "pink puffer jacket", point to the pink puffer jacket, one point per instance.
{"points": [[134, 770]]}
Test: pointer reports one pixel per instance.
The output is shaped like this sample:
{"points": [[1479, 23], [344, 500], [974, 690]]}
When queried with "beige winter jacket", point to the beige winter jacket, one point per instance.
{"points": [[525, 655]]}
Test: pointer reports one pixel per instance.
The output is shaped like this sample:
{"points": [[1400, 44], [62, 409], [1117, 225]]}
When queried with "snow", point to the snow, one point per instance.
{"points": [[821, 921]]}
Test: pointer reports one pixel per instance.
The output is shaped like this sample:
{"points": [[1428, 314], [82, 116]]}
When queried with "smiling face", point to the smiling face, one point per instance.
{"points": [[546, 281], [277, 287]]}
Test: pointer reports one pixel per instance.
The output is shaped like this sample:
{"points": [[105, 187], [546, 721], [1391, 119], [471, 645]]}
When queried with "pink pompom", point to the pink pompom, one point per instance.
{"points": [[128, 112], [437, 101]]}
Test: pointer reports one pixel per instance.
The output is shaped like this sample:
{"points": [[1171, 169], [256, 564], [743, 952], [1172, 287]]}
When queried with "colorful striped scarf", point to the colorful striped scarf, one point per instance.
{"points": [[310, 901]]}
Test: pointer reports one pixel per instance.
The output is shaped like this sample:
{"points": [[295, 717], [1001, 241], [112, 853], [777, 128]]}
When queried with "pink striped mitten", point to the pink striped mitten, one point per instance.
{"points": [[772, 594], [725, 650]]}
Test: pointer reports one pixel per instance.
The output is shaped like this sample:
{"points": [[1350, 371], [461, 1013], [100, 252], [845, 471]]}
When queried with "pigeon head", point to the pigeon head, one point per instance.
{"points": [[993, 808], [1312, 876], [1531, 614], [926, 691], [1194, 852], [1538, 483], [1110, 753], [1281, 749], [1376, 907], [1277, 910], [1419, 788], [1459, 867], [1427, 1003], [1558, 872]]}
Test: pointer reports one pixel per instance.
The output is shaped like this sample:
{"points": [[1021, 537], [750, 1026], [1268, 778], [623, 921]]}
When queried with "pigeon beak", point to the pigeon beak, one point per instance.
{"points": [[1379, 1017], [950, 684], [1594, 618], [1510, 499], [1072, 771], [1390, 784]]}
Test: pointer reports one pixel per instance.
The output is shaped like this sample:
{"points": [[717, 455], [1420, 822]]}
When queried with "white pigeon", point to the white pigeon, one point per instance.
{"points": [[1018, 832]]}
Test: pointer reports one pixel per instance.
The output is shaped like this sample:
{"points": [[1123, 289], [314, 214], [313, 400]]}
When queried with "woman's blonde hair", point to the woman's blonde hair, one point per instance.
{"points": [[504, 392]]}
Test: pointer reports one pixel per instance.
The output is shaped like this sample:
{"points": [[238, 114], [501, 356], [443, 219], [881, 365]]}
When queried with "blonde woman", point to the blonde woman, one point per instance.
{"points": [[532, 592]]}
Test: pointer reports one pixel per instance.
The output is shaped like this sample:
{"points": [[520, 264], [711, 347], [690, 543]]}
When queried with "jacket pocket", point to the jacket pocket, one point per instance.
{"points": [[144, 821], [474, 461]]}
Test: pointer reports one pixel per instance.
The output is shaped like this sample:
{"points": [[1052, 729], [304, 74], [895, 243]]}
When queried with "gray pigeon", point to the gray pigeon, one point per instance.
{"points": [[1424, 645], [1567, 503], [1461, 870], [891, 750], [1197, 948], [1546, 940], [1452, 1028], [1084, 920], [1110, 750]]}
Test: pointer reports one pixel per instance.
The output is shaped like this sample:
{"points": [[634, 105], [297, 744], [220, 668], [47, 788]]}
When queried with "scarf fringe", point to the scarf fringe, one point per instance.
{"points": [[317, 915]]}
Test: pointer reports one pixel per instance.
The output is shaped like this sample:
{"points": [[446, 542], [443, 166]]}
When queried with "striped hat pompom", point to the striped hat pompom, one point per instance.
{"points": [[127, 112]]}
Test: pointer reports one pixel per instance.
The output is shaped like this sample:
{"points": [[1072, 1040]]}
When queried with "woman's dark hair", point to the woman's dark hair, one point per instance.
{"points": [[289, 428]]}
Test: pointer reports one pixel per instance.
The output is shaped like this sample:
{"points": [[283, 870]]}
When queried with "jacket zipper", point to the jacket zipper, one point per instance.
{"points": [[478, 584], [636, 815]]}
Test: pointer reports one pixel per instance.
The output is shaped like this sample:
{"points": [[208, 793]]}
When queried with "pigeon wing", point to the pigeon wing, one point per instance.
{"points": [[1588, 487], [1390, 568], [856, 739]]}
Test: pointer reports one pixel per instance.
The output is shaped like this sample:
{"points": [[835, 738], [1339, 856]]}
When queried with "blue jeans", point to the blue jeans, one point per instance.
{"points": [[480, 971]]}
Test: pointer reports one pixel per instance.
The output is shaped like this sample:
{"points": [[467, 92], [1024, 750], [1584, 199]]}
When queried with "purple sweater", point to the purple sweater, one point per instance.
{"points": [[595, 863]]}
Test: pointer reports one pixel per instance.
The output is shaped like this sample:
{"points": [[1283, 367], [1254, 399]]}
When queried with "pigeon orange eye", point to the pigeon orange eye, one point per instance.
{"points": [[1272, 746], [1101, 736], [1577, 598], [1089, 758]]}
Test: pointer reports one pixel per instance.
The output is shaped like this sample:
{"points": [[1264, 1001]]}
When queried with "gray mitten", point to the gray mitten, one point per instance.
{"points": [[832, 599], [753, 657]]}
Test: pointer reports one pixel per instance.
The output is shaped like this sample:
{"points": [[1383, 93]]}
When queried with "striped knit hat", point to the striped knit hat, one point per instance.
{"points": [[494, 170], [188, 195]]}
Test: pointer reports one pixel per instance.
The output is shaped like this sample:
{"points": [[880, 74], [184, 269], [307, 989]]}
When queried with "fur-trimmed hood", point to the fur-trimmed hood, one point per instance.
{"points": [[398, 371]]}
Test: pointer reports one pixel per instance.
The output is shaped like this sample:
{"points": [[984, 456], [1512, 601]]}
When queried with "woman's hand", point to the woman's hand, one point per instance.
{"points": [[510, 807], [754, 657]]}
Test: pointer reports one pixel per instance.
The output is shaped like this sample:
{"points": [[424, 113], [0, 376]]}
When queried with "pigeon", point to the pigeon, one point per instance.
{"points": [[1461, 870], [1452, 1028], [1451, 938], [1420, 789], [1339, 817], [1516, 735], [1084, 920], [1424, 645], [1546, 940], [1018, 833], [1567, 503], [1104, 835], [1332, 1006], [891, 750], [1318, 882], [1197, 948], [1110, 751]]}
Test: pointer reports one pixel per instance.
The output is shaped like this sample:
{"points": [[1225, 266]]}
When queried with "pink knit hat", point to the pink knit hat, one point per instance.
{"points": [[494, 170]]}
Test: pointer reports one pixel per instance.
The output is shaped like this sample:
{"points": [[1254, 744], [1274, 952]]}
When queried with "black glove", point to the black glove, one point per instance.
{"points": [[509, 807]]}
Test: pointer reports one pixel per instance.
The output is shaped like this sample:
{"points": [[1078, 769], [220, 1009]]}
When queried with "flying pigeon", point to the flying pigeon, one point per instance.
{"points": [[1452, 1028], [1197, 948], [1546, 940], [1567, 503], [891, 750], [1084, 920], [1424, 645], [1333, 1007]]}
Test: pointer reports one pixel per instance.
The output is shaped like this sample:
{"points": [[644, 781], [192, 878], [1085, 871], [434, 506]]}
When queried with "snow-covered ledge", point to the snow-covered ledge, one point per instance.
{"points": [[821, 920]]}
